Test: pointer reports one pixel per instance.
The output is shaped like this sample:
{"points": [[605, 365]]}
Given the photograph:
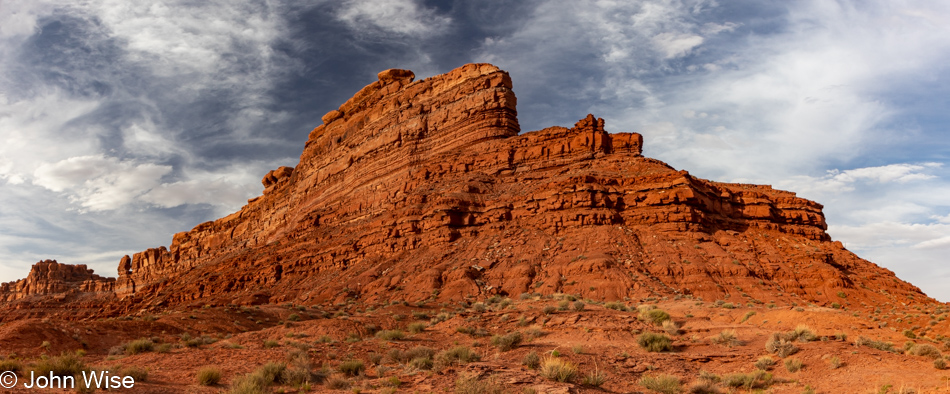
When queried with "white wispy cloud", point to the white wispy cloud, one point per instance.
{"points": [[403, 17]]}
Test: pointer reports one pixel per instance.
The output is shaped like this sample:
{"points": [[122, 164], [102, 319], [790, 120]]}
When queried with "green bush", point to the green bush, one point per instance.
{"points": [[390, 335], [655, 316], [653, 342]]}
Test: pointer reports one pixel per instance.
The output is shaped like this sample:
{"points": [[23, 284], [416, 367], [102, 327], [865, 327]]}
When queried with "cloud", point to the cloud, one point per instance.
{"points": [[674, 45], [403, 17], [99, 182], [837, 181]]}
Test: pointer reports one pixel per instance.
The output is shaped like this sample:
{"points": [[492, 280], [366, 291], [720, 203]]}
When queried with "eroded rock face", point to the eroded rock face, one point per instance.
{"points": [[422, 189], [425, 189], [51, 278]]}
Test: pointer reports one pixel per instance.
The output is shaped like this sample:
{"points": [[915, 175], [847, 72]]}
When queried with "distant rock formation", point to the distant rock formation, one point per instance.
{"points": [[48, 277], [414, 190]]}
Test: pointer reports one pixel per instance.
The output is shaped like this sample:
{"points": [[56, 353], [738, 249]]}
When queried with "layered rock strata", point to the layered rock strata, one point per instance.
{"points": [[49, 277], [412, 190], [426, 189]]}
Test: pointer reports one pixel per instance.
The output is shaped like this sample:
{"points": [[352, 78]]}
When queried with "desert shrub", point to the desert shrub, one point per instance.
{"points": [[563, 305], [138, 346], [163, 348], [579, 305], [754, 380], [655, 316], [298, 370], [469, 384], [726, 338], [653, 342], [249, 384], [337, 383], [703, 388], [531, 360], [390, 335], [925, 350], [910, 334], [11, 366], [417, 352], [780, 346], [709, 376], [557, 369], [293, 317], [617, 306], [479, 307], [352, 367], [940, 364], [208, 376], [269, 343], [879, 345], [138, 373], [455, 356], [793, 364], [764, 363], [577, 349], [549, 309], [67, 364], [835, 362], [595, 378], [666, 384], [374, 358], [416, 328], [534, 332], [670, 327], [424, 363], [506, 342], [802, 333]]}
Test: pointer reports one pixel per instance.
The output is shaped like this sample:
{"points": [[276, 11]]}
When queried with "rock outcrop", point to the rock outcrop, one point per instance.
{"points": [[49, 277], [425, 189]]}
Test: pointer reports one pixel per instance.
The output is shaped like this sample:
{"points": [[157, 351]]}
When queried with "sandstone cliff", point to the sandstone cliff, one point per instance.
{"points": [[49, 277], [418, 189], [425, 189]]}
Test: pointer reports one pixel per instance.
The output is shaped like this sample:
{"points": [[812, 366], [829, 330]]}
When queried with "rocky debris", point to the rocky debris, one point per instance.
{"points": [[49, 277], [410, 185]]}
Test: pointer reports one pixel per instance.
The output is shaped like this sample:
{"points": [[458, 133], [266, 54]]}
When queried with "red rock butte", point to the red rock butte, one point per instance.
{"points": [[426, 189]]}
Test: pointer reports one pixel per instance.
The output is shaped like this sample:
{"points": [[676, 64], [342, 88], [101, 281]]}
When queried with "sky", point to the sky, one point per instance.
{"points": [[124, 122]]}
